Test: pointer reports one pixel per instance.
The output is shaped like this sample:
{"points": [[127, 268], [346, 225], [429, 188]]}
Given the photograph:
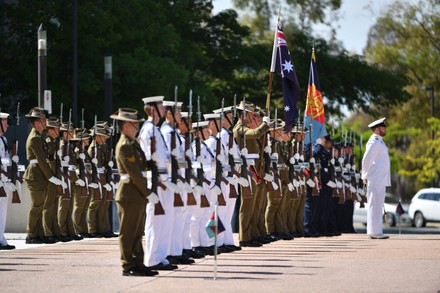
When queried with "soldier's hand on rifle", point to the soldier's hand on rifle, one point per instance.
{"points": [[290, 186], [82, 156], [175, 153], [268, 177], [10, 186], [199, 189], [80, 182], [4, 178], [243, 182], [107, 187], [155, 157], [55, 180], [153, 198], [171, 186], [216, 190], [15, 159], [110, 164], [93, 185], [266, 119], [95, 161]]}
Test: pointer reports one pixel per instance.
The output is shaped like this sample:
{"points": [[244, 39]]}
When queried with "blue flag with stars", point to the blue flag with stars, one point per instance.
{"points": [[282, 64]]}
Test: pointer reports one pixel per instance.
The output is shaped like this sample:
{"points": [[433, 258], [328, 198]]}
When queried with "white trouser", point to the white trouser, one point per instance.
{"points": [[196, 219], [179, 223], [186, 239], [230, 206], [375, 199], [158, 230], [3, 213], [205, 241]]}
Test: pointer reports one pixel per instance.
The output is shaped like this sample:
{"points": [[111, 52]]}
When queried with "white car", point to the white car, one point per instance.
{"points": [[392, 218], [425, 207]]}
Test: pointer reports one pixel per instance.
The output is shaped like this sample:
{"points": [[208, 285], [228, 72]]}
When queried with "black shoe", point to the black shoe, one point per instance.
{"points": [[201, 250], [84, 235], [184, 260], [95, 235], [224, 249], [49, 239], [211, 249], [148, 272], [250, 243], [262, 240], [64, 238], [111, 234], [163, 267], [234, 247], [193, 253], [106, 234], [34, 240], [172, 260], [134, 272], [272, 237], [76, 237], [7, 247]]}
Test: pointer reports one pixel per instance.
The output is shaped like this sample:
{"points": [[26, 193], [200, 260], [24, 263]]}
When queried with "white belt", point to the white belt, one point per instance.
{"points": [[72, 168], [126, 176], [100, 170], [34, 161]]}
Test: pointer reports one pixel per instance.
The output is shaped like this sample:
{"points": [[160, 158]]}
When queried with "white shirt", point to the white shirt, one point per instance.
{"points": [[4, 154], [147, 131], [376, 162]]}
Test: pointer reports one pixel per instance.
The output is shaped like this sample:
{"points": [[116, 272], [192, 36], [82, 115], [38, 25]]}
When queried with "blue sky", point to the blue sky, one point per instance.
{"points": [[356, 18]]}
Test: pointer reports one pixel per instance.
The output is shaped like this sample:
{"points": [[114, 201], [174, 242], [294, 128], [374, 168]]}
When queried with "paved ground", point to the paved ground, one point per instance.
{"points": [[349, 263]]}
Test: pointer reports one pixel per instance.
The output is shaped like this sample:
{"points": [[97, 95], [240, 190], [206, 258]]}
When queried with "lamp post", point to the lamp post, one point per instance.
{"points": [[42, 65], [431, 89], [108, 83]]}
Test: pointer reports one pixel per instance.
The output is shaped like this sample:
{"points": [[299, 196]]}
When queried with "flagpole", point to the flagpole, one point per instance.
{"points": [[215, 238]]}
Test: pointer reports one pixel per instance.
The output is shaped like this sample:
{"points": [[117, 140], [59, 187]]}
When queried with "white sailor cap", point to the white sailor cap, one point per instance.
{"points": [[210, 116], [171, 104], [184, 114], [4, 115], [150, 100], [201, 124], [377, 123], [225, 110]]}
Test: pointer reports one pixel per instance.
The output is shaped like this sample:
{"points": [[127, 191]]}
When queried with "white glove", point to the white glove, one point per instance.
{"points": [[352, 189], [310, 183], [171, 186], [267, 149], [59, 153], [1, 183], [274, 185], [221, 158], [331, 184], [95, 161], [243, 182], [110, 164], [189, 153], [114, 185], [15, 159], [107, 187], [292, 160], [232, 180], [4, 178], [93, 185], [80, 182], [290, 186], [266, 119], [200, 159], [55, 180], [244, 152], [312, 160], [155, 157], [296, 183], [63, 184], [82, 156], [66, 159], [341, 161], [348, 166], [216, 190], [11, 186], [359, 198], [297, 156], [268, 177], [175, 153], [332, 161], [153, 198], [199, 189], [339, 184], [188, 188], [301, 158]]}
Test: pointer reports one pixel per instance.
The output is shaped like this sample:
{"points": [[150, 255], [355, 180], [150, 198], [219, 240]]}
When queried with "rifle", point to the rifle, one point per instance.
{"points": [[191, 200], [155, 183], [246, 192], [59, 170], [108, 168], [178, 202], [218, 164], [313, 180], [293, 165], [273, 160], [95, 179], [14, 176], [361, 185], [232, 190], [332, 172], [204, 203], [80, 161]]}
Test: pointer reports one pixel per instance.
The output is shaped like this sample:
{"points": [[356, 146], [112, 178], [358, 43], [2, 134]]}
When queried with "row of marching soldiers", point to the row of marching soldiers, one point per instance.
{"points": [[68, 180]]}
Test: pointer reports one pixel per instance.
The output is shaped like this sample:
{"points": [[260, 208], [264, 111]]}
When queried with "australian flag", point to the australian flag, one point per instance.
{"points": [[282, 64]]}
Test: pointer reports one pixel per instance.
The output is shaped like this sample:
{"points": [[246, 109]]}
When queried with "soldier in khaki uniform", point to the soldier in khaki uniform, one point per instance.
{"points": [[247, 205], [38, 174], [132, 195]]}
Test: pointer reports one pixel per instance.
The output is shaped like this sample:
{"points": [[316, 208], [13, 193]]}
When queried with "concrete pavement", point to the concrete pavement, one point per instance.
{"points": [[348, 263]]}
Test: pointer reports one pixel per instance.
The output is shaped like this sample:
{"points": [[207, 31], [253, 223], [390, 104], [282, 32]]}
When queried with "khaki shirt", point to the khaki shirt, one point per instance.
{"points": [[131, 162]]}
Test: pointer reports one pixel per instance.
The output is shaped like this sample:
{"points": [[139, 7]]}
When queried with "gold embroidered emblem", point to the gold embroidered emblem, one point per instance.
{"points": [[131, 159]]}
